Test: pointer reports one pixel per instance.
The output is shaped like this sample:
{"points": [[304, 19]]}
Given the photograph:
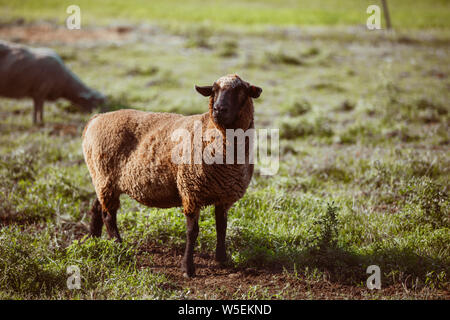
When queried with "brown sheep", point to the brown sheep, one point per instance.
{"points": [[39, 73], [129, 151]]}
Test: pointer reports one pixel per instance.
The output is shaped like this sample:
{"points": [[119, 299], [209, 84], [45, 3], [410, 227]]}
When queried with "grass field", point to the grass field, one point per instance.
{"points": [[364, 154], [219, 13]]}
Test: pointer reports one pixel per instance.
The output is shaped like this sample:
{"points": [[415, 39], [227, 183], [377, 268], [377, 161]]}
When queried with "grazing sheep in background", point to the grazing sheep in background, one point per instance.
{"points": [[130, 151], [39, 73]]}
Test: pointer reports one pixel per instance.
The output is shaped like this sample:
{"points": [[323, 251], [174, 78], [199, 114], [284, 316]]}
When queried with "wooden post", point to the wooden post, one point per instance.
{"points": [[386, 14]]}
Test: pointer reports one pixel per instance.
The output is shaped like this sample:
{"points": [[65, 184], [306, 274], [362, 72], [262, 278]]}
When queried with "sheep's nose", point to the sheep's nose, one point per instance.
{"points": [[220, 109]]}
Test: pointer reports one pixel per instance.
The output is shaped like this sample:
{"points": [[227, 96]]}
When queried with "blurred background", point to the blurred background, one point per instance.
{"points": [[364, 147]]}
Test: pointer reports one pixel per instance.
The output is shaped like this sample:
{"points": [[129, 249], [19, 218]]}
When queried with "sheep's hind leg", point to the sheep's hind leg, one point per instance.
{"points": [[110, 219], [221, 229], [96, 219], [187, 264], [38, 112]]}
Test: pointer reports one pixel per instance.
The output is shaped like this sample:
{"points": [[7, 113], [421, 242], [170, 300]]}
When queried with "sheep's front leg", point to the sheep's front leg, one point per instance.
{"points": [[221, 229], [110, 221], [187, 264], [38, 113], [109, 216]]}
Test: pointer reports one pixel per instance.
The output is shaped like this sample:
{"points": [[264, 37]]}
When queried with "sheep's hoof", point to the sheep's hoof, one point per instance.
{"points": [[221, 259], [189, 274], [188, 271], [222, 263], [185, 275]]}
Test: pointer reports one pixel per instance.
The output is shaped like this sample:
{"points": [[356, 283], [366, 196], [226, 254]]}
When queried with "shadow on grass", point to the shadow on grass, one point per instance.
{"points": [[344, 266]]}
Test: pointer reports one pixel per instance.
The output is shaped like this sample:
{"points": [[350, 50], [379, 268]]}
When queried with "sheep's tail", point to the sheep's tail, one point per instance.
{"points": [[87, 124]]}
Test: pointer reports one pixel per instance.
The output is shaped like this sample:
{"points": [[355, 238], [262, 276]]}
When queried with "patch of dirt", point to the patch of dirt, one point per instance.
{"points": [[214, 282], [46, 33]]}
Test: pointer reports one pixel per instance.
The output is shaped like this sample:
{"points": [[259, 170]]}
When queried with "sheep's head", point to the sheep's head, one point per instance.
{"points": [[90, 100], [230, 98]]}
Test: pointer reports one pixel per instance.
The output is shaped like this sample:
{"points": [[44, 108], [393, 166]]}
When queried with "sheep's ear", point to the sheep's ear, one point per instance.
{"points": [[206, 90], [254, 91]]}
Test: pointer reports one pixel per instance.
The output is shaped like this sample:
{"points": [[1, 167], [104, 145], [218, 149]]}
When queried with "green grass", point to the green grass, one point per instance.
{"points": [[34, 266], [364, 161], [429, 14]]}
